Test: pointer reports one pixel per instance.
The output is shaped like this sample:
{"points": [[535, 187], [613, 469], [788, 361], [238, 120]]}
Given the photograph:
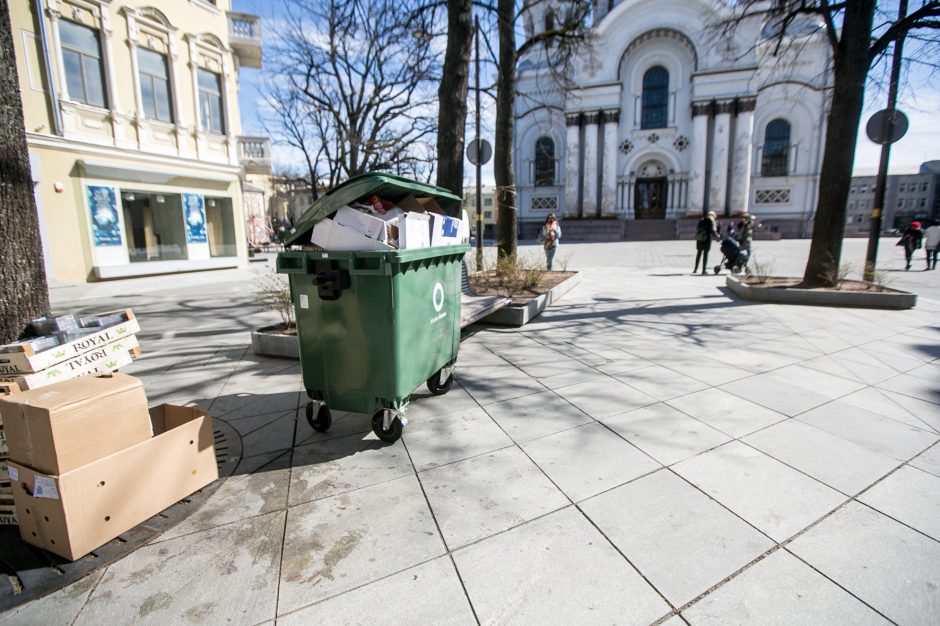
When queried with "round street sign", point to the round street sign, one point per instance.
{"points": [[882, 130], [484, 153]]}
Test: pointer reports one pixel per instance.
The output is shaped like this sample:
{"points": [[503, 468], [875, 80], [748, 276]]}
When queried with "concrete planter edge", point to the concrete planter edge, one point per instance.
{"points": [[893, 299], [522, 314], [266, 343]]}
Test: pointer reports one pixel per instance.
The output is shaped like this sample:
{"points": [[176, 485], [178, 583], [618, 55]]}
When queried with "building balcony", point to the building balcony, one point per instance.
{"points": [[254, 154], [244, 35]]}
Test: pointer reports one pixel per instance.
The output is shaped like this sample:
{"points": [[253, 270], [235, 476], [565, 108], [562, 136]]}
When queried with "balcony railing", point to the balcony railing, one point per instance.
{"points": [[254, 154], [244, 35]]}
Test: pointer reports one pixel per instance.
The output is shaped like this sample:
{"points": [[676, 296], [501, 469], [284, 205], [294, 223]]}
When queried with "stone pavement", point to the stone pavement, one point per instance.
{"points": [[649, 450]]}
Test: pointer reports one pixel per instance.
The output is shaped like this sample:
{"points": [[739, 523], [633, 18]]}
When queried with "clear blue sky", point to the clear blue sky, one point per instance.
{"points": [[919, 100]]}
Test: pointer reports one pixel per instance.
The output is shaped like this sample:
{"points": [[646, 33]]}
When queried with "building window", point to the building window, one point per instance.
{"points": [[902, 188], [853, 190], [487, 202], [923, 203], [84, 72], [544, 162], [155, 85], [923, 186], [776, 148], [488, 215], [901, 203], [655, 97], [210, 102]]}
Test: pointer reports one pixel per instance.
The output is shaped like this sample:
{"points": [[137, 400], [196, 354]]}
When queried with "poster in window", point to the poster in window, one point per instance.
{"points": [[102, 202], [195, 218]]}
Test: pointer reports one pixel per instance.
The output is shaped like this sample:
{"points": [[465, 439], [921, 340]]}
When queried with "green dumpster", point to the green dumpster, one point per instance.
{"points": [[373, 325]]}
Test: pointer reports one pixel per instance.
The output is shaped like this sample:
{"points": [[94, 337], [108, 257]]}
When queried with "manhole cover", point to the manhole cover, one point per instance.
{"points": [[29, 572]]}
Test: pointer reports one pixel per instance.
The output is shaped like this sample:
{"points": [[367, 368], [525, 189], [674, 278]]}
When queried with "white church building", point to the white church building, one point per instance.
{"points": [[662, 117]]}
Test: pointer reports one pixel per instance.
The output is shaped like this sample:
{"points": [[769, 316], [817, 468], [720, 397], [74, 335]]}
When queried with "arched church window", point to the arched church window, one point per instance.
{"points": [[655, 97], [776, 148], [544, 162]]}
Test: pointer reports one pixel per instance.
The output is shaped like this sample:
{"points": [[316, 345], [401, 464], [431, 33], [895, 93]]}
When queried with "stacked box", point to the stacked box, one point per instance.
{"points": [[7, 509], [107, 343]]}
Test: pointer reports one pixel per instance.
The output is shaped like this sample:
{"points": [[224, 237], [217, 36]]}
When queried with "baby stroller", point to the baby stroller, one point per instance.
{"points": [[732, 256]]}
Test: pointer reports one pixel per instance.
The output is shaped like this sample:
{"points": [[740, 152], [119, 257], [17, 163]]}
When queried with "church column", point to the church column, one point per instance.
{"points": [[718, 185], [700, 114], [609, 190], [572, 163], [741, 157], [590, 164]]}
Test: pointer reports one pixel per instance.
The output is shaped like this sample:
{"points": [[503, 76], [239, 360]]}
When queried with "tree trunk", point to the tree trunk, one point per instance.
{"points": [[452, 96], [506, 231], [23, 292], [851, 65]]}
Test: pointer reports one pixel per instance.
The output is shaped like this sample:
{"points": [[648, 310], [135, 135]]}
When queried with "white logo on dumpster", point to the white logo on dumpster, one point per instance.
{"points": [[437, 298]]}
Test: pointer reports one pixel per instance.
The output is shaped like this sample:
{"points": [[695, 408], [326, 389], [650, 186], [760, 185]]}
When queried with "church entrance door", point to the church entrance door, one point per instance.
{"points": [[650, 199]]}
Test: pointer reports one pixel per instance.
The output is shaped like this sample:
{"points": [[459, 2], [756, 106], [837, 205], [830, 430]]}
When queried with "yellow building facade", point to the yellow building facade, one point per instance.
{"points": [[134, 133]]}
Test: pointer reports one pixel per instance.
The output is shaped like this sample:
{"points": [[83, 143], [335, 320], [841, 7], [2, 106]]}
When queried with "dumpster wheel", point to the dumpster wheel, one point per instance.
{"points": [[392, 432], [323, 420], [441, 381]]}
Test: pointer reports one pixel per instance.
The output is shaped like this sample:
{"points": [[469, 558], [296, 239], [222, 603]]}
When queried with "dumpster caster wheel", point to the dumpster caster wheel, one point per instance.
{"points": [[389, 435], [323, 420], [439, 387]]}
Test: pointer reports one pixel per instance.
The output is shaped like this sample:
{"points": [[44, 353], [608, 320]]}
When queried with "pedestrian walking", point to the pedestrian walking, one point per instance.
{"points": [[911, 240], [549, 237], [745, 234], [705, 232], [932, 243]]}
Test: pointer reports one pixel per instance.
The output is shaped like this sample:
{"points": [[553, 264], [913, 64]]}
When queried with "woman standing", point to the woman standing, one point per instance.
{"points": [[549, 237], [705, 232]]}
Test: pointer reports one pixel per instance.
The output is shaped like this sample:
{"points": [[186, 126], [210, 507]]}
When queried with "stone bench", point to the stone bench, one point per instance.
{"points": [[473, 306]]}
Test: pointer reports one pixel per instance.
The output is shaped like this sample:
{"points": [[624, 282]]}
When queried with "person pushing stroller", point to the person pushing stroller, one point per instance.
{"points": [[736, 246]]}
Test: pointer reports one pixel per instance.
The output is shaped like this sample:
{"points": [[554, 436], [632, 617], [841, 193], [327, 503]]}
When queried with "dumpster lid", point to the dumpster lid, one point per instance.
{"points": [[386, 186]]}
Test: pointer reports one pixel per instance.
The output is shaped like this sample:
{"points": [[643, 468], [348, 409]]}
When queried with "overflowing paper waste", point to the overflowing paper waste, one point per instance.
{"points": [[378, 224]]}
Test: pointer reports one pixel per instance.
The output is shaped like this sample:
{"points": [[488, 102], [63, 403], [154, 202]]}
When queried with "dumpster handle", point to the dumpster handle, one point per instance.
{"points": [[357, 263]]}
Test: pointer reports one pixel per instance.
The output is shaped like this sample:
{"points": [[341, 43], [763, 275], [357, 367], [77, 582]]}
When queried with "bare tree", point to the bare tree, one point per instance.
{"points": [[857, 42], [353, 88], [23, 291], [452, 96]]}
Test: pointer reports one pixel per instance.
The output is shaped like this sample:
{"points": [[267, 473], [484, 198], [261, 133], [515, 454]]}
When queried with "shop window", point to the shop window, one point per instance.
{"points": [[655, 97], [155, 227], [84, 71], [544, 162], [210, 102], [776, 148], [220, 227], [155, 85]]}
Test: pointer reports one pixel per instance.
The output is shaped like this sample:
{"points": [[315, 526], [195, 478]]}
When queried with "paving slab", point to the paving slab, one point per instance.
{"points": [[928, 460], [452, 437], [487, 494], [535, 416], [557, 569], [605, 397], [726, 412], [664, 433], [589, 459], [887, 565], [838, 463], [679, 539], [340, 543], [561, 372], [429, 593], [793, 389], [224, 574], [917, 413], [489, 386], [61, 607], [776, 499], [780, 589], [909, 496], [661, 383]]}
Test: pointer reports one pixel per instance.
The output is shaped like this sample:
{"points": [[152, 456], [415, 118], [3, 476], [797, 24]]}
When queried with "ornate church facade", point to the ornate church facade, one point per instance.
{"points": [[663, 116]]}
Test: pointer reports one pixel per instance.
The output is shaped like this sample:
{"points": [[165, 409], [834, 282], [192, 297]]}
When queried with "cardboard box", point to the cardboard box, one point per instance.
{"points": [[61, 427], [445, 231], [414, 231], [106, 358], [419, 205], [19, 358], [334, 237], [369, 225], [78, 511]]}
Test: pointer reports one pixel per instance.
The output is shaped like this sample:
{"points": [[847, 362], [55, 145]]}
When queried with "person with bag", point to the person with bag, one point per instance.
{"points": [[549, 237], [705, 232], [911, 240], [932, 243]]}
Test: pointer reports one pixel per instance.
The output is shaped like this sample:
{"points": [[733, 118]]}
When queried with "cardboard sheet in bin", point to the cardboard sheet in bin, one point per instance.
{"points": [[386, 186], [76, 512]]}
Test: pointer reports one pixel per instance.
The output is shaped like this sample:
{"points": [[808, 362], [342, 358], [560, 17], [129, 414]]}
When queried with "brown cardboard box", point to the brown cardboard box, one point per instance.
{"points": [[419, 205], [79, 511], [63, 426]]}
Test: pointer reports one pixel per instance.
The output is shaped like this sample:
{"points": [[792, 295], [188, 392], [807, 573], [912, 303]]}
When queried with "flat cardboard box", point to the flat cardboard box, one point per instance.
{"points": [[369, 225], [16, 358], [445, 231], [334, 237], [414, 231], [105, 358], [419, 205], [61, 427], [78, 511]]}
